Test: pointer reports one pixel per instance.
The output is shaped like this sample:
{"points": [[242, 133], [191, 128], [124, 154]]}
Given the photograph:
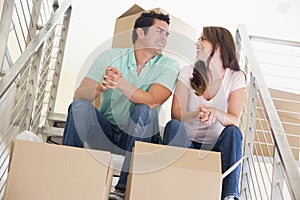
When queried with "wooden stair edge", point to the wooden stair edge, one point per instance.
{"points": [[53, 116], [51, 131]]}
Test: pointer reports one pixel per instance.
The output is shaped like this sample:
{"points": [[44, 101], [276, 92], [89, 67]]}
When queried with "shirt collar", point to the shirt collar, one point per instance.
{"points": [[132, 61], [131, 58]]}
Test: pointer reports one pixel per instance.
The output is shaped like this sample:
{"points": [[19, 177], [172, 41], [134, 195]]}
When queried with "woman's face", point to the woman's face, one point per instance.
{"points": [[204, 48]]}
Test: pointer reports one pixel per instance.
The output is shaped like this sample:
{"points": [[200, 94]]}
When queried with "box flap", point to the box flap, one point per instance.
{"points": [[47, 171], [131, 11], [155, 157], [188, 173]]}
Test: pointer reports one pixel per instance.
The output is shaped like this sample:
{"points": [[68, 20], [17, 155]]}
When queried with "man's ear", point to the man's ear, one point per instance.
{"points": [[140, 32]]}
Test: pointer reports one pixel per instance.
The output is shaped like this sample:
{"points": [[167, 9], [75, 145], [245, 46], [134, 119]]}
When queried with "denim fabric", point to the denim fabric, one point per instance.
{"points": [[229, 144], [87, 127]]}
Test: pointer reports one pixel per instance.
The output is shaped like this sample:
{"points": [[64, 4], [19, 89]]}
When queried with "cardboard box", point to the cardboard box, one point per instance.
{"points": [[181, 41], [47, 171], [160, 172]]}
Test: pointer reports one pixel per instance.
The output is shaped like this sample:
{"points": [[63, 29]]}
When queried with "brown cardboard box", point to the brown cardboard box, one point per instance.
{"points": [[46, 171], [160, 172], [181, 41]]}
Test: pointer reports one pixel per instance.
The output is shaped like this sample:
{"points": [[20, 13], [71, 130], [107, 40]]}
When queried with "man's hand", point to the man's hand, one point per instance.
{"points": [[111, 77]]}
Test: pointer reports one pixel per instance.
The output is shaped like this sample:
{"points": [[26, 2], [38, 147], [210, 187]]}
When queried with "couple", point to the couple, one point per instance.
{"points": [[133, 83]]}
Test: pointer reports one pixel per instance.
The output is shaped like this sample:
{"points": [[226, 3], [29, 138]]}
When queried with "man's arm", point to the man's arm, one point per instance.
{"points": [[154, 97], [89, 90]]}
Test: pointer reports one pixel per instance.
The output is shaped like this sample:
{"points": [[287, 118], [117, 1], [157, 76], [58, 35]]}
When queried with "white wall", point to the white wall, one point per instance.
{"points": [[92, 25]]}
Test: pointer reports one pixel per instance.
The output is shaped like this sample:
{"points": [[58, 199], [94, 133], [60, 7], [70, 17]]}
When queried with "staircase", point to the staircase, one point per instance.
{"points": [[33, 37], [31, 56]]}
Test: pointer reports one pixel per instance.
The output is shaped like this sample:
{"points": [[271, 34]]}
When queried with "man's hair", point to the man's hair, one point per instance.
{"points": [[146, 20]]}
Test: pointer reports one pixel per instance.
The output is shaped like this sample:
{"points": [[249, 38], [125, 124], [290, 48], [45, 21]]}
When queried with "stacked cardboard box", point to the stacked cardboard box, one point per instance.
{"points": [[47, 171], [165, 172]]}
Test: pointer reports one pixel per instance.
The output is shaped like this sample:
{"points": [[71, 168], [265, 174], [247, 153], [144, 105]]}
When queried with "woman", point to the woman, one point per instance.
{"points": [[207, 104]]}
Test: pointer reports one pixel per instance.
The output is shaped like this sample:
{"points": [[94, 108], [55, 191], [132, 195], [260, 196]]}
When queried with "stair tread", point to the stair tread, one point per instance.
{"points": [[57, 116], [51, 131]]}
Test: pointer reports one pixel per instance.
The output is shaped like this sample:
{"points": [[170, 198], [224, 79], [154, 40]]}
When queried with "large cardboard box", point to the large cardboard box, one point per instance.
{"points": [[181, 41], [47, 171], [160, 172]]}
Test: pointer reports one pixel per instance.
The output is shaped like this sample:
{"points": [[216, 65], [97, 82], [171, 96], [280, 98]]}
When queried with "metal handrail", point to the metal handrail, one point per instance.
{"points": [[274, 40], [4, 28], [29, 85], [281, 145], [6, 81]]}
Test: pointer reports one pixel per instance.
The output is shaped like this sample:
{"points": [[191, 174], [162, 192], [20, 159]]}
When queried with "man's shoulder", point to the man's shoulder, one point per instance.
{"points": [[119, 51], [163, 57], [113, 54], [166, 60]]}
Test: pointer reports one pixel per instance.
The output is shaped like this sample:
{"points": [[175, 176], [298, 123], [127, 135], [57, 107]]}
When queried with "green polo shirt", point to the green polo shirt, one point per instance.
{"points": [[114, 105]]}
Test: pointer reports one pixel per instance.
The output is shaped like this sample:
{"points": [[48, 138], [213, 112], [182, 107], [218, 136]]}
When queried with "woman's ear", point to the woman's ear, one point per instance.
{"points": [[217, 51], [218, 48]]}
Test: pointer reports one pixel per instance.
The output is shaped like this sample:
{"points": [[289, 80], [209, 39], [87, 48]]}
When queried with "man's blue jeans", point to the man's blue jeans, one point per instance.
{"points": [[229, 144], [86, 127]]}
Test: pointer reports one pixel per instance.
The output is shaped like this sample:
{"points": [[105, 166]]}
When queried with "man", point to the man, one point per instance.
{"points": [[132, 83]]}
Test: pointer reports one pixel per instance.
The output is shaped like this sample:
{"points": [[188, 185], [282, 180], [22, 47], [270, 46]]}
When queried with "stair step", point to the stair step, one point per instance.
{"points": [[56, 119], [57, 116], [51, 131]]}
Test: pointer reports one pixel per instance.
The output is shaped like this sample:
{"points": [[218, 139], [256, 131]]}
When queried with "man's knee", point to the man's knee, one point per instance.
{"points": [[80, 103], [81, 107], [141, 114]]}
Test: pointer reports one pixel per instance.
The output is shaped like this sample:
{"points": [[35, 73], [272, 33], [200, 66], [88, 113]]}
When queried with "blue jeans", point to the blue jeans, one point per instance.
{"points": [[87, 127], [229, 144]]}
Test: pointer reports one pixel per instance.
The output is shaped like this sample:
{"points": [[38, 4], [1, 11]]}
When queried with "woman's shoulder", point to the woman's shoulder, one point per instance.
{"points": [[235, 74], [186, 73], [187, 69], [236, 78]]}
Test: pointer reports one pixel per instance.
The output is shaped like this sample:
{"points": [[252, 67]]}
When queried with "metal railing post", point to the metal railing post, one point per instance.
{"points": [[58, 65], [249, 140], [5, 21], [33, 24], [277, 181]]}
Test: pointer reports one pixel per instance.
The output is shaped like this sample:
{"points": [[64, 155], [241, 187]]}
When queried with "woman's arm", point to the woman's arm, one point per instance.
{"points": [[233, 114], [179, 104]]}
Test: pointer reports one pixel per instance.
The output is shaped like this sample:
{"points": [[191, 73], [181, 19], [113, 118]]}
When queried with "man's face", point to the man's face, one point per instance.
{"points": [[156, 37]]}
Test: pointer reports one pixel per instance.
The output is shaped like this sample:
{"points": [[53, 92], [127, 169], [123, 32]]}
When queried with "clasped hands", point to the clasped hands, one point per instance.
{"points": [[206, 114], [111, 78]]}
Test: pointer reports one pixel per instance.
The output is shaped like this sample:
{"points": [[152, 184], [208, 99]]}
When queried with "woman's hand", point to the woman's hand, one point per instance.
{"points": [[206, 115]]}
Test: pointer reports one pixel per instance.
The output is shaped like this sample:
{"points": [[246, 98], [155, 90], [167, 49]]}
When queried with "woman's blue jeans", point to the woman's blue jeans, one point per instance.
{"points": [[229, 144], [87, 127]]}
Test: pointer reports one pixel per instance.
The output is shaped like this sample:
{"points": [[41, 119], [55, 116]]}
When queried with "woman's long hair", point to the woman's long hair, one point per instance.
{"points": [[218, 37]]}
